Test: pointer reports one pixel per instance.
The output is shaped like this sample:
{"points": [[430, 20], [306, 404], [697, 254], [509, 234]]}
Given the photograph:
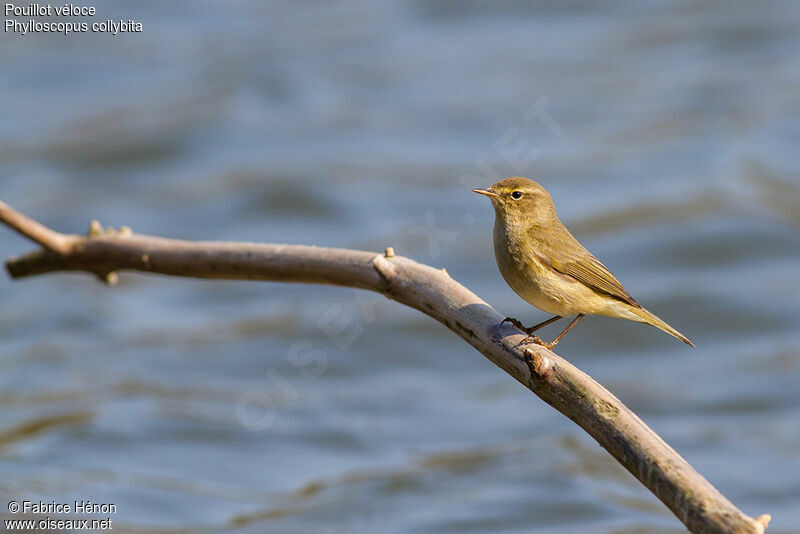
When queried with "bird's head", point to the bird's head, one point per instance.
{"points": [[520, 199]]}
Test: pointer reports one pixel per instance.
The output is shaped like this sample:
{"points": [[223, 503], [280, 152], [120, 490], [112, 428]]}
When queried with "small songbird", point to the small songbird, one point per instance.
{"points": [[545, 265]]}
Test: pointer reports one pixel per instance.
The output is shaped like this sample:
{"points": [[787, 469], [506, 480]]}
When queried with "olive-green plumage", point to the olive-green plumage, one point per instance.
{"points": [[545, 265]]}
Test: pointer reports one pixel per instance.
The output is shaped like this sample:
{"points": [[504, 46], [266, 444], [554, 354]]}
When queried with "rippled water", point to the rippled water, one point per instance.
{"points": [[667, 134]]}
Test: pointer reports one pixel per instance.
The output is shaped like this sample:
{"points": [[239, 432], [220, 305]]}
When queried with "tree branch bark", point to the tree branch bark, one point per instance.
{"points": [[700, 506]]}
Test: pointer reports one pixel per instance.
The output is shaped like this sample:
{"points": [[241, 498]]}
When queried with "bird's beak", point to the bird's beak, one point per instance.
{"points": [[488, 192]]}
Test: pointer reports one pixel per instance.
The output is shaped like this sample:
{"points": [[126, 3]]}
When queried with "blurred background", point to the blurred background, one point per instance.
{"points": [[666, 132]]}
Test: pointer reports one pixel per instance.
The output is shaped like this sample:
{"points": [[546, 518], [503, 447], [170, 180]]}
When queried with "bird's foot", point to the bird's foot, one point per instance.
{"points": [[539, 341], [532, 338], [519, 325]]}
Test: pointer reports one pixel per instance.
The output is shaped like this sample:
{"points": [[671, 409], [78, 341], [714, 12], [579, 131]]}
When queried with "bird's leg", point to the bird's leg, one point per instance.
{"points": [[533, 328], [552, 344]]}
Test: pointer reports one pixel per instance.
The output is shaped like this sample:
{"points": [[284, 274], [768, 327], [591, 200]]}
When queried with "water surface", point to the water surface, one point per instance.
{"points": [[666, 134]]}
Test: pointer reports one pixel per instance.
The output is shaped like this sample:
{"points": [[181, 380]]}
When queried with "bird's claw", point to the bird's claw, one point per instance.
{"points": [[517, 324], [510, 320], [531, 338], [538, 341]]}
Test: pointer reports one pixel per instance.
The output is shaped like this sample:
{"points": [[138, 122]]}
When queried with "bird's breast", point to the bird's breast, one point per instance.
{"points": [[528, 274]]}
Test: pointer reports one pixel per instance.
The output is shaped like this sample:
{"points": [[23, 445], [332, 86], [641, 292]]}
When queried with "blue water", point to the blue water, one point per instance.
{"points": [[667, 134]]}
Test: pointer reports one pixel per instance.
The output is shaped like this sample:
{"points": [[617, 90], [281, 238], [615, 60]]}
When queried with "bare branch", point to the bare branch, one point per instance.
{"points": [[34, 230], [630, 441]]}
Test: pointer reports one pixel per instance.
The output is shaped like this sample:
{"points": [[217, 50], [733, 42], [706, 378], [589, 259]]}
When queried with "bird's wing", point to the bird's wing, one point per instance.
{"points": [[588, 270]]}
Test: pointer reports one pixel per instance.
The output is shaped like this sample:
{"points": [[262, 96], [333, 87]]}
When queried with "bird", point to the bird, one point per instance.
{"points": [[545, 265]]}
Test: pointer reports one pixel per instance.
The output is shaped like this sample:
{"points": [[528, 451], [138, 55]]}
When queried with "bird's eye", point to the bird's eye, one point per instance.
{"points": [[516, 195]]}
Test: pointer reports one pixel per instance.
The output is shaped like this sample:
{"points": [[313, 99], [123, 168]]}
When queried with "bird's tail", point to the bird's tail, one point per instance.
{"points": [[650, 318]]}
